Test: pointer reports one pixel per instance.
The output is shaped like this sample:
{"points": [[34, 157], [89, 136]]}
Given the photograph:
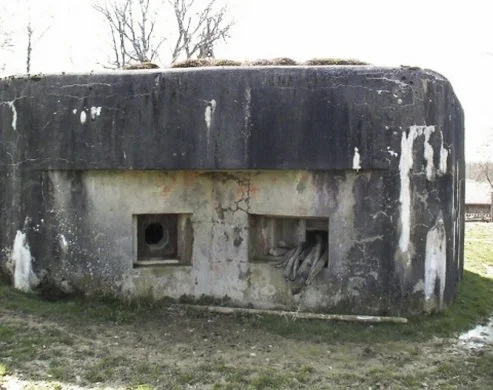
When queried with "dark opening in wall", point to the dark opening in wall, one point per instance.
{"points": [[270, 233], [311, 238], [154, 234], [163, 239]]}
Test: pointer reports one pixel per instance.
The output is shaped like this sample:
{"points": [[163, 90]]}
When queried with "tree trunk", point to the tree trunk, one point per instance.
{"points": [[29, 47], [491, 207]]}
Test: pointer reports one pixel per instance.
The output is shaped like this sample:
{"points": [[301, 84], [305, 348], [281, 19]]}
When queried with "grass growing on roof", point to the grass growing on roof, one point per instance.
{"points": [[334, 61], [205, 62], [142, 65], [280, 61]]}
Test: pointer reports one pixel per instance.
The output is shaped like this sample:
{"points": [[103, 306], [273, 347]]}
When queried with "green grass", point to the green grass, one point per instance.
{"points": [[4, 371], [55, 332], [479, 248], [104, 309]]}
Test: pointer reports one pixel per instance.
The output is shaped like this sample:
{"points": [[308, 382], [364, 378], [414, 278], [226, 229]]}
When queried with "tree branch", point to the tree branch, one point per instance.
{"points": [[133, 25]]}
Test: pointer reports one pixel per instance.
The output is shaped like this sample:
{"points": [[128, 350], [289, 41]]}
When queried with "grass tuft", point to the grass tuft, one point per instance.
{"points": [[4, 370], [205, 62], [334, 61], [143, 65], [281, 61]]}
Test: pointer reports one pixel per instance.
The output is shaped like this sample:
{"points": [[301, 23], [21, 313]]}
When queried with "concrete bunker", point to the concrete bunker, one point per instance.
{"points": [[201, 181]]}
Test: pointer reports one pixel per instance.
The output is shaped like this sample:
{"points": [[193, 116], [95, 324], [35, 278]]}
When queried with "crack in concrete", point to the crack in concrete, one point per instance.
{"points": [[368, 240]]}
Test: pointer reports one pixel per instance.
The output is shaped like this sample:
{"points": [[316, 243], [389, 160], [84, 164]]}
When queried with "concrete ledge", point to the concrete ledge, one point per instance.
{"points": [[315, 118]]}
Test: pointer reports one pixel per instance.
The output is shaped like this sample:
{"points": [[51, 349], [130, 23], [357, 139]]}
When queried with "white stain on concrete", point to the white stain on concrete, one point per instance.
{"points": [[24, 277], [83, 117], [420, 286], [95, 112], [209, 113], [63, 244], [435, 261], [405, 167], [391, 152], [11, 105], [443, 158], [14, 115], [356, 160], [428, 151], [399, 83]]}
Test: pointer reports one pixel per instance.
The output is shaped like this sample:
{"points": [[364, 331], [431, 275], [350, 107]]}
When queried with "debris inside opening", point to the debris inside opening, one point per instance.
{"points": [[301, 264]]}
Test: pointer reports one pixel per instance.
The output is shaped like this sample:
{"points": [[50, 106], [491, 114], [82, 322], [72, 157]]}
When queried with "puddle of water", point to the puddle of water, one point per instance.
{"points": [[479, 337]]}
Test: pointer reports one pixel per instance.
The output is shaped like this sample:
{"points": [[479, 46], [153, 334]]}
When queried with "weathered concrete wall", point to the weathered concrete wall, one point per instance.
{"points": [[379, 152]]}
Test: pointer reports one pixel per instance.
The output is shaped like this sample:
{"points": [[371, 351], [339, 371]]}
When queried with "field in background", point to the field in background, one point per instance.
{"points": [[106, 344]]}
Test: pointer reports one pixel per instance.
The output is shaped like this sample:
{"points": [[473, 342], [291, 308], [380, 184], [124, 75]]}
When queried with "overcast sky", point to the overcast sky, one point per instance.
{"points": [[454, 38]]}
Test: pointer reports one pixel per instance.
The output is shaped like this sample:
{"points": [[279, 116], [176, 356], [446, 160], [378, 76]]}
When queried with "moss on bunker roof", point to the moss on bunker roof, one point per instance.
{"points": [[280, 61], [143, 65], [205, 62], [334, 61]]}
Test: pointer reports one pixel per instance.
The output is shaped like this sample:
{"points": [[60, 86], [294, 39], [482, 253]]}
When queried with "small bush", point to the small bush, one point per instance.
{"points": [[334, 61], [143, 65], [205, 62], [226, 63], [281, 61], [193, 63]]}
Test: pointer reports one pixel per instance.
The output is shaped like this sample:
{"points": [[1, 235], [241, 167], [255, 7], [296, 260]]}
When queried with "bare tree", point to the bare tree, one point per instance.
{"points": [[29, 32], [5, 37], [25, 31], [132, 24], [486, 172], [5, 41], [137, 35], [198, 34], [484, 167], [33, 38]]}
